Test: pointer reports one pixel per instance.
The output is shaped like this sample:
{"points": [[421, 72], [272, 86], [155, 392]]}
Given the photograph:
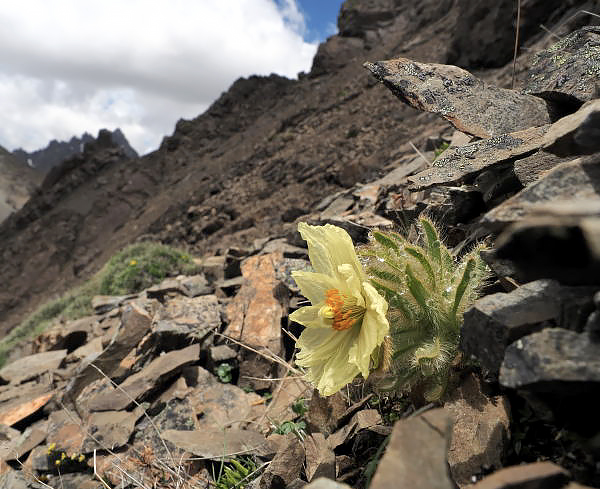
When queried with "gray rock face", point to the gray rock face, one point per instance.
{"points": [[32, 366], [468, 103], [416, 454], [569, 70], [538, 475], [286, 465], [550, 357], [497, 320]]}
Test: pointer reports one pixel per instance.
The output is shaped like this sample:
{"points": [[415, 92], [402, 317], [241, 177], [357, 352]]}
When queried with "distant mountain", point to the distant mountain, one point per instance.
{"points": [[43, 160], [16, 183]]}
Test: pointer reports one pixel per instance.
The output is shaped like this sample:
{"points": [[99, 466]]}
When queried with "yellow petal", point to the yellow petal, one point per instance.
{"points": [[328, 247], [309, 316], [314, 285]]}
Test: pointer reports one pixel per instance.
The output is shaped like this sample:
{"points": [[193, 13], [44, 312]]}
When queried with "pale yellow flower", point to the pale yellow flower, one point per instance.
{"points": [[346, 321]]}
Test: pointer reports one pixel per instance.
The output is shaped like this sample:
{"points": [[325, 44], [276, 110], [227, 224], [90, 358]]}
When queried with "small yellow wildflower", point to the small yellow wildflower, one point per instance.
{"points": [[133, 263], [51, 447], [346, 322], [63, 455], [57, 462], [81, 458]]}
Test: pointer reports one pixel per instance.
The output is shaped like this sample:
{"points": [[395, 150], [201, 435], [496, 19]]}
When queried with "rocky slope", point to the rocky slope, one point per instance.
{"points": [[521, 172], [265, 152]]}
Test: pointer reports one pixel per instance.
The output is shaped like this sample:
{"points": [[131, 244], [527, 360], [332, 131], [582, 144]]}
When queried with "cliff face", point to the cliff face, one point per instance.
{"points": [[17, 182], [268, 150]]}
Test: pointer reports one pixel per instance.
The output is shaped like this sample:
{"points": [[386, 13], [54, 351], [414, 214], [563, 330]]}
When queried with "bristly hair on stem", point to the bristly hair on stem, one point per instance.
{"points": [[427, 290]]}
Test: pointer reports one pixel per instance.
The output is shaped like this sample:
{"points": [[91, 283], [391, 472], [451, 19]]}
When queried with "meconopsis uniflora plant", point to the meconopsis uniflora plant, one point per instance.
{"points": [[427, 290]]}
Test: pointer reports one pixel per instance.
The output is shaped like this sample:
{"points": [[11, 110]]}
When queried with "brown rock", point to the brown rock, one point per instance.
{"points": [[539, 475], [479, 433], [324, 413], [416, 454], [255, 313], [286, 465], [320, 459], [216, 444], [19, 447], [66, 429], [106, 303], [109, 430], [144, 381], [467, 102], [31, 366], [367, 418], [17, 409]]}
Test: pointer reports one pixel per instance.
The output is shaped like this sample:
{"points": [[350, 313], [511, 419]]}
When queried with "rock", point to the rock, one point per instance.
{"points": [[550, 358], [320, 459], [213, 268], [223, 405], [480, 430], [324, 413], [576, 134], [105, 303], [454, 165], [22, 444], [229, 287], [565, 249], [537, 475], [416, 454], [255, 317], [365, 419], [221, 353], [285, 466], [467, 102], [185, 319], [31, 366], [496, 320], [66, 430], [15, 479], [91, 348], [216, 444], [337, 208], [324, 483], [109, 430], [15, 410], [289, 391], [567, 72], [255, 313], [144, 381], [573, 180], [532, 167], [135, 323], [195, 285]]}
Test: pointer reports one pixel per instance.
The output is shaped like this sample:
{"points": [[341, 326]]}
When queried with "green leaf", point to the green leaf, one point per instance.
{"points": [[385, 240], [433, 240], [414, 252], [462, 286], [417, 290], [394, 299]]}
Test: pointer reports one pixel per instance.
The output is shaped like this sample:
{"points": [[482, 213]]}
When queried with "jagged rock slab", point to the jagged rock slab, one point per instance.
{"points": [[568, 71], [562, 248], [216, 444], [367, 418], [144, 381], [480, 431], [416, 454], [573, 180], [324, 413], [324, 483], [285, 466], [550, 358], [537, 475], [135, 324], [496, 320], [66, 429], [21, 445], [456, 164], [105, 303], [467, 102], [109, 430], [31, 366], [17, 409], [320, 458]]}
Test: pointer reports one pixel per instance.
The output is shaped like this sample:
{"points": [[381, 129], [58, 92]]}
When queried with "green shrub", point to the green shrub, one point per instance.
{"points": [[133, 269]]}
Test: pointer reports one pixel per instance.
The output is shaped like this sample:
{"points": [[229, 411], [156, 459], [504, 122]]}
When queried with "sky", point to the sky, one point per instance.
{"points": [[74, 66]]}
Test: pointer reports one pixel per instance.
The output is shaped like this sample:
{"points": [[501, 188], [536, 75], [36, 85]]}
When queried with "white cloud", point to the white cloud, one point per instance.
{"points": [[69, 66]]}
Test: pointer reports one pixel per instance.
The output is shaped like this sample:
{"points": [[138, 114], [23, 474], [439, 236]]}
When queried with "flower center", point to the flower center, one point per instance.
{"points": [[340, 310]]}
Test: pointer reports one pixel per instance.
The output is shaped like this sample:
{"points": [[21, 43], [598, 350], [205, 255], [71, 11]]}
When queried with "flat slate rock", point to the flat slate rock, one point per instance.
{"points": [[537, 475], [456, 164], [550, 357], [31, 366], [468, 103], [216, 444], [17, 409], [186, 316], [416, 454], [568, 71], [573, 180], [144, 381]]}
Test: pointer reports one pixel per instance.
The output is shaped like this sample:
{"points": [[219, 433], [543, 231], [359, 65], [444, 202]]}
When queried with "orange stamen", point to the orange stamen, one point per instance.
{"points": [[346, 313]]}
